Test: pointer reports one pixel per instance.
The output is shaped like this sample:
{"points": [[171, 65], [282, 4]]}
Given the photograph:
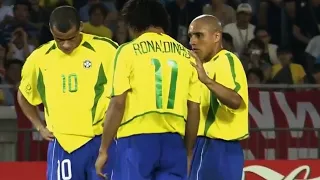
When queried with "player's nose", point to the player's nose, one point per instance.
{"points": [[66, 45], [192, 41]]}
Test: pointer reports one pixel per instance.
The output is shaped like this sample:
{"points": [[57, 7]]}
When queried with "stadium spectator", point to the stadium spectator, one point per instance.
{"points": [[5, 12], [121, 34], [53, 3], [12, 77], [313, 58], [305, 26], [84, 11], [97, 13], [254, 57], [19, 47], [241, 30], [255, 76], [21, 11], [279, 73], [271, 16], [227, 42], [181, 13], [3, 56], [38, 15], [225, 13], [270, 49]]}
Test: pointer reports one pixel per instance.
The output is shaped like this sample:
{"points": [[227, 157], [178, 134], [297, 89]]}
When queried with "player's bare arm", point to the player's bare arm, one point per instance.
{"points": [[192, 126], [112, 122], [32, 114]]}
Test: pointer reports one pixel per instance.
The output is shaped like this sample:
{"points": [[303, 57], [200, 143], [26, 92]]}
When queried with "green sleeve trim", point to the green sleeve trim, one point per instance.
{"points": [[115, 64], [233, 72]]}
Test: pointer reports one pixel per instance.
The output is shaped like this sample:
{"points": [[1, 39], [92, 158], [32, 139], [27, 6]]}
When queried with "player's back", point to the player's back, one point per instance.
{"points": [[160, 74]]}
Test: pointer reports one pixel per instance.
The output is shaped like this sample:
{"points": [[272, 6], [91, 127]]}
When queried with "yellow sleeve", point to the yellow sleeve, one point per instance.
{"points": [[301, 72], [195, 87], [234, 76], [122, 72], [28, 84], [228, 66], [108, 65]]}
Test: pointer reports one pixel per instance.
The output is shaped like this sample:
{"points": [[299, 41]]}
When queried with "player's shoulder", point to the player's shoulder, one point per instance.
{"points": [[98, 42], [227, 55], [43, 50], [126, 48]]}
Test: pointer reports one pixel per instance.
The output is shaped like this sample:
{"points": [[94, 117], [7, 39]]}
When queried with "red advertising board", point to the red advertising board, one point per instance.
{"points": [[283, 110], [36, 150], [254, 170], [282, 170], [267, 110]]}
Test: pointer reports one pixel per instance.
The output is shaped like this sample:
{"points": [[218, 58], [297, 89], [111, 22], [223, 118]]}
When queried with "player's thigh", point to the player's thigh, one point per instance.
{"points": [[220, 160], [65, 166], [199, 152], [235, 161], [108, 169], [173, 159], [137, 157]]}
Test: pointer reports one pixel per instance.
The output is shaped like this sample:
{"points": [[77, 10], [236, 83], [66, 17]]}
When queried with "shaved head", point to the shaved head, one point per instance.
{"points": [[208, 20], [205, 34]]}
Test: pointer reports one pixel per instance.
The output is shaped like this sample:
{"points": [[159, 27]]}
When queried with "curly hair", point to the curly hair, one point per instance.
{"points": [[142, 14]]}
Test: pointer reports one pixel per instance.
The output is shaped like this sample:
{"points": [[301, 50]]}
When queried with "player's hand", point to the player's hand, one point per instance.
{"points": [[100, 162], [202, 75], [189, 163], [46, 134]]}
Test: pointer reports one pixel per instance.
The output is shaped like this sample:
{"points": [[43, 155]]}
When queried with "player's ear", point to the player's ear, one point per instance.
{"points": [[217, 37], [81, 26], [50, 28]]}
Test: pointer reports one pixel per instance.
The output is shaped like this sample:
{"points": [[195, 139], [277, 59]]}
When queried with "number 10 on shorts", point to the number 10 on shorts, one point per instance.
{"points": [[64, 170]]}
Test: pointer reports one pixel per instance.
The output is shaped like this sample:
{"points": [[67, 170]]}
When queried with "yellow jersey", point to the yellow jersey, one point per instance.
{"points": [[73, 88], [97, 30], [155, 70], [217, 120], [297, 72]]}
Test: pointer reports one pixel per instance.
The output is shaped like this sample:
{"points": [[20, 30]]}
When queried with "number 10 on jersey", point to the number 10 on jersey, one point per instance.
{"points": [[158, 80], [69, 83]]}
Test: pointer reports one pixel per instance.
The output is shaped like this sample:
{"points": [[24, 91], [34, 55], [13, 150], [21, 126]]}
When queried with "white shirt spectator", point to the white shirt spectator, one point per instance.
{"points": [[313, 48], [241, 37], [19, 53], [5, 11], [272, 49]]}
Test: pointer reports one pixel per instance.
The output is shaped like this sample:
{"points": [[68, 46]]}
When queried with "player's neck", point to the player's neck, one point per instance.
{"points": [[216, 50]]}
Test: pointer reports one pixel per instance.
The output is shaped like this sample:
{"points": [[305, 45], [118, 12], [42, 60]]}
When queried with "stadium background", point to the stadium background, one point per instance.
{"points": [[284, 102]]}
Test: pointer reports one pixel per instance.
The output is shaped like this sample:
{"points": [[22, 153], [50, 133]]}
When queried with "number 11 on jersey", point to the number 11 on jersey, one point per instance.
{"points": [[173, 83]]}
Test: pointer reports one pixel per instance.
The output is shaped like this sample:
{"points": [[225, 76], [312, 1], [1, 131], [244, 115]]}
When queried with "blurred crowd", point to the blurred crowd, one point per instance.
{"points": [[277, 41]]}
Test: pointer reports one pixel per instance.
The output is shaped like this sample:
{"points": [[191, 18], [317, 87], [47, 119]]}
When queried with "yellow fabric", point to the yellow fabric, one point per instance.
{"points": [[1, 96], [52, 3], [73, 88], [99, 31], [297, 72], [217, 120], [156, 71]]}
